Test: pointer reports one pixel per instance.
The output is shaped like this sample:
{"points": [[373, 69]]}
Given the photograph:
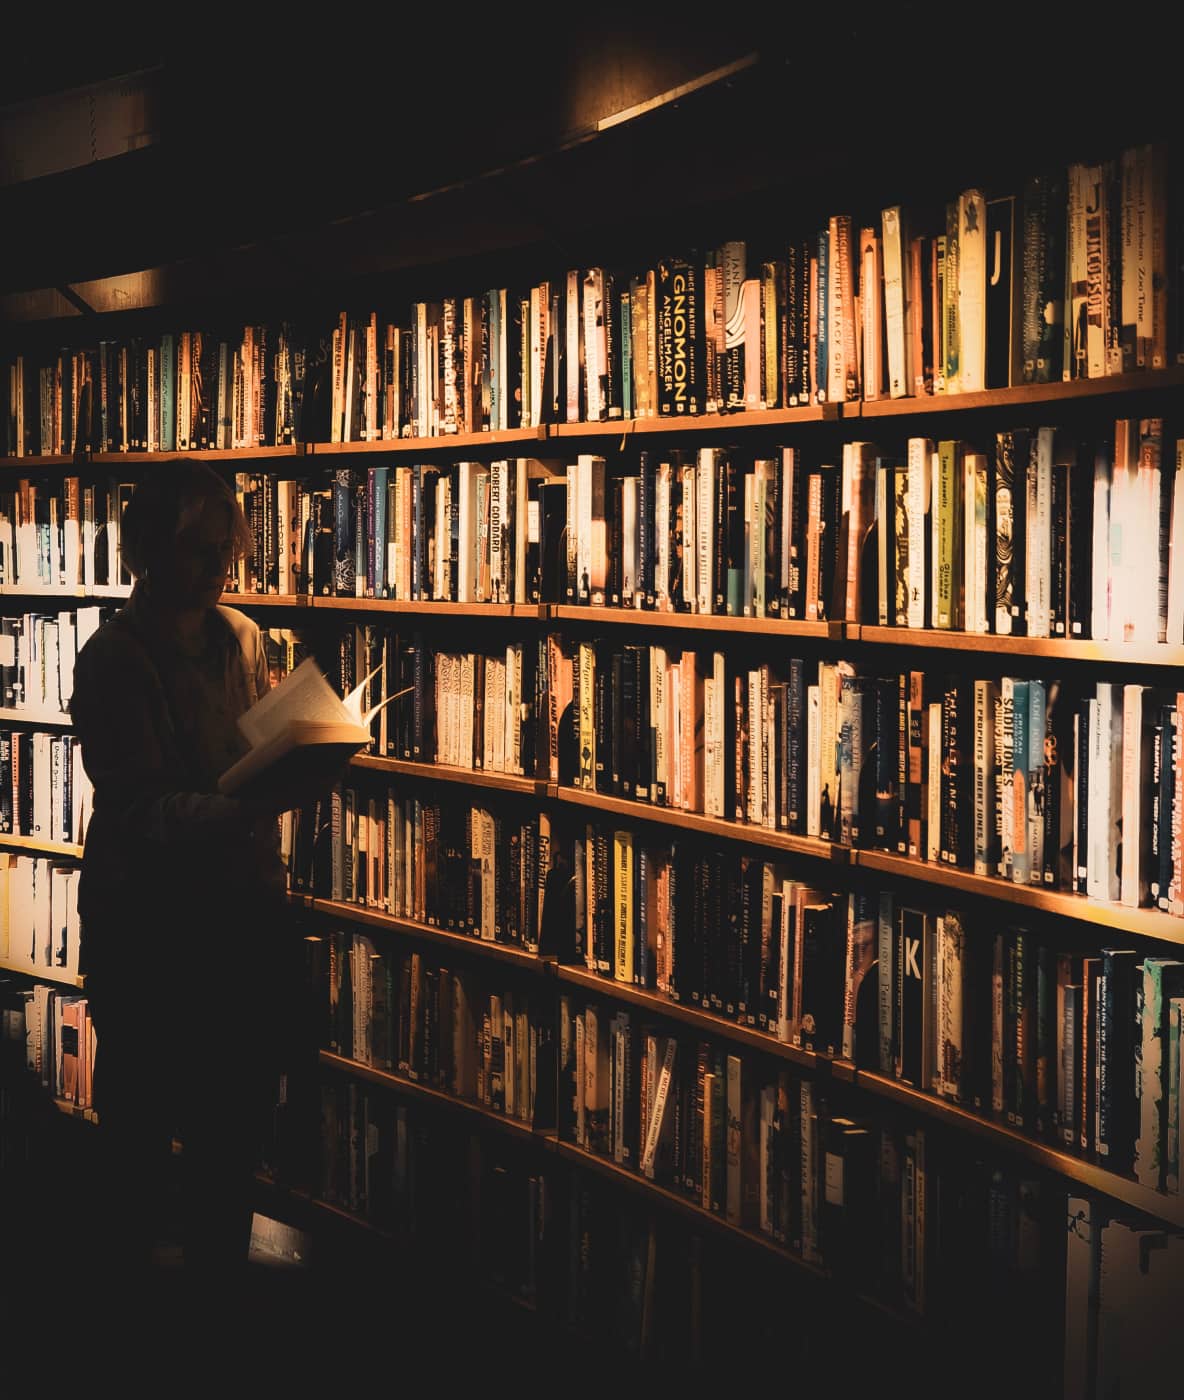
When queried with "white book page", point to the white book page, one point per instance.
{"points": [[303, 694]]}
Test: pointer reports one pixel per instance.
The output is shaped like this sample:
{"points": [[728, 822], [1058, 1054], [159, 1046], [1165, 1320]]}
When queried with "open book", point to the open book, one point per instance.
{"points": [[301, 735]]}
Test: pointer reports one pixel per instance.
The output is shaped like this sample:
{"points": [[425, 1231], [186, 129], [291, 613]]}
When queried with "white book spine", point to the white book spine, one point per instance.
{"points": [[895, 303], [1175, 628], [1133, 884], [920, 450], [972, 291], [704, 529]]}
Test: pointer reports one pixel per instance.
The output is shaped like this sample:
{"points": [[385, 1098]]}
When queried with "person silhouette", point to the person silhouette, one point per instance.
{"points": [[187, 953]]}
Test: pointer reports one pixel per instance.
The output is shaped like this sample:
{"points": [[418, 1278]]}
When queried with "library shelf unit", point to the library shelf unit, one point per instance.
{"points": [[44, 974], [819, 430]]}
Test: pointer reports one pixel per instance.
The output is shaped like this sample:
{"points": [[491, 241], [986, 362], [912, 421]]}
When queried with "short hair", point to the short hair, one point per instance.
{"points": [[162, 502]]}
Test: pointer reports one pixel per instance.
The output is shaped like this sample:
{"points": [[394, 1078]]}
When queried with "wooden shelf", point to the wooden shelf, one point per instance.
{"points": [[1020, 395], [43, 974], [531, 612], [698, 422], [266, 600], [706, 1022], [34, 460], [709, 826], [35, 843], [696, 622], [410, 1087], [464, 942], [442, 442], [198, 454], [444, 773], [19, 715], [73, 1110], [63, 594], [1056, 648], [1096, 1178], [683, 1204], [1121, 918]]}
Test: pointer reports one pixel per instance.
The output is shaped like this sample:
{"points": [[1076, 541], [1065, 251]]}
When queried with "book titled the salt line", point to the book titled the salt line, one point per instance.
{"points": [[301, 734]]}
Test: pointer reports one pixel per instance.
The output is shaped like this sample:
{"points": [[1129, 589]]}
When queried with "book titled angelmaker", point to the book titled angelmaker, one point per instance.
{"points": [[300, 734]]}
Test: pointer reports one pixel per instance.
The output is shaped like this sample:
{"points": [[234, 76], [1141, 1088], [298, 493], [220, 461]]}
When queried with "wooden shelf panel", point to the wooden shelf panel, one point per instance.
{"points": [[62, 594], [9, 715], [198, 454], [696, 622], [1151, 923], [1057, 648], [706, 1022], [401, 1084], [443, 773], [465, 942], [442, 442], [531, 612], [710, 826], [1020, 395], [33, 461], [683, 1204], [43, 847], [1154, 1203], [43, 974], [266, 600]]}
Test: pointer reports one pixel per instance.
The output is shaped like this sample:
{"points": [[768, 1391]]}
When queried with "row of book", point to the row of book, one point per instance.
{"points": [[465, 868], [63, 535], [44, 789], [167, 393], [50, 1034], [40, 931], [1046, 284], [447, 1028], [1003, 1022], [37, 654], [403, 1170], [1031, 537]]}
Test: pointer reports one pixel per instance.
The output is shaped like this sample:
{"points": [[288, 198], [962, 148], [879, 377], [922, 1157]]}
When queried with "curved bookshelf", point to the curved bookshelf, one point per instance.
{"points": [[697, 622], [1123, 1188], [706, 1022], [1020, 395], [467, 943], [990, 644], [410, 1087], [1150, 923], [445, 773], [440, 442], [710, 826], [35, 843]]}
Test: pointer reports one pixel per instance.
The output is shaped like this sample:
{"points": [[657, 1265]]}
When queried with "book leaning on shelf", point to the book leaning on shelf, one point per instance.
{"points": [[301, 735]]}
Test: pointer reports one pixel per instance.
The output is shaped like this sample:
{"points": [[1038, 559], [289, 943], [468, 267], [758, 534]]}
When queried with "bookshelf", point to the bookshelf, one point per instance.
{"points": [[834, 868]]}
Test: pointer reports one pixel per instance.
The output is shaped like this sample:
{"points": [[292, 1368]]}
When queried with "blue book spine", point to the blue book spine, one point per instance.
{"points": [[168, 395], [380, 481]]}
